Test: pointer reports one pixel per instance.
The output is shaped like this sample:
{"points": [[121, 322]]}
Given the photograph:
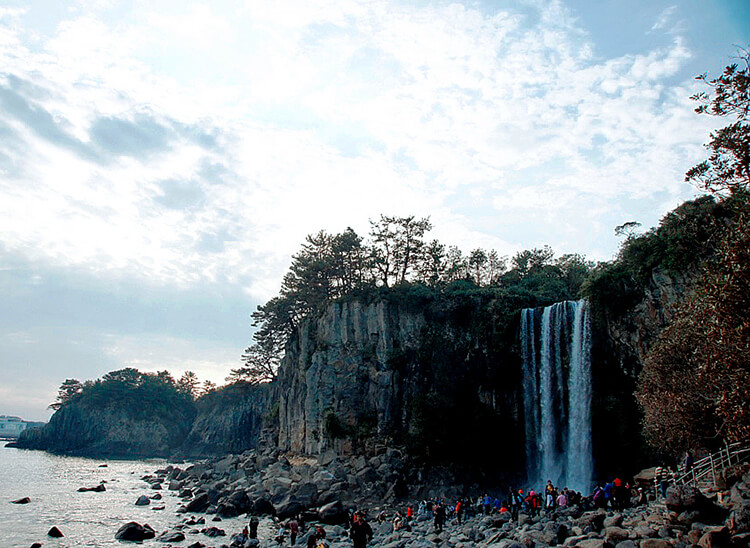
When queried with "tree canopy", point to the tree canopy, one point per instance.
{"points": [[727, 168], [397, 254]]}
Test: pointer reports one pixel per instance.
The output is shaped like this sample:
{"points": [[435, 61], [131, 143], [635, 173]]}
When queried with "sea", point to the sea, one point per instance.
{"points": [[90, 518]]}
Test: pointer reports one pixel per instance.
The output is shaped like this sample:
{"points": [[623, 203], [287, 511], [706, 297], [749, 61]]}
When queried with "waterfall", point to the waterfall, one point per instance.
{"points": [[556, 351]]}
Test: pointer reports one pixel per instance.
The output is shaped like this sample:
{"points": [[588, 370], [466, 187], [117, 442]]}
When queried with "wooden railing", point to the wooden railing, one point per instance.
{"points": [[706, 471]]}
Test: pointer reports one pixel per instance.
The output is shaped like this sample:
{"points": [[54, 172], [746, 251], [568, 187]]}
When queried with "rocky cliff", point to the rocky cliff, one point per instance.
{"points": [[106, 432], [630, 333], [229, 420], [432, 377]]}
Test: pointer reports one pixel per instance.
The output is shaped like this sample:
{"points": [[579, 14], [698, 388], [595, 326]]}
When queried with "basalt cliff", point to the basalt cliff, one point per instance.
{"points": [[439, 378]]}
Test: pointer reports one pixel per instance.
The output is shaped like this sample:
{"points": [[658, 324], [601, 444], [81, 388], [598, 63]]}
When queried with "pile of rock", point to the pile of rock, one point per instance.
{"points": [[271, 484], [323, 490]]}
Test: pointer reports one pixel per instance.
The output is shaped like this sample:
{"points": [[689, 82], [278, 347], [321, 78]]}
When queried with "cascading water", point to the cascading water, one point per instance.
{"points": [[556, 352]]}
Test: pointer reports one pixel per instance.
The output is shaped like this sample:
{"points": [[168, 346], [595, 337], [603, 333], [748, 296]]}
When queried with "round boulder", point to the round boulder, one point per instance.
{"points": [[135, 532]]}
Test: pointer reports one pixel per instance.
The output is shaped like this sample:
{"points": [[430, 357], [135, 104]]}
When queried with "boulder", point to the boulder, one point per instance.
{"points": [[592, 543], [156, 496], [657, 543], [143, 500], [135, 532], [740, 518], [262, 506], [198, 504], [24, 500], [55, 533], [289, 507], [171, 537], [613, 535], [227, 510], [614, 520], [333, 513], [591, 521], [214, 532], [715, 537], [686, 498], [98, 489]]}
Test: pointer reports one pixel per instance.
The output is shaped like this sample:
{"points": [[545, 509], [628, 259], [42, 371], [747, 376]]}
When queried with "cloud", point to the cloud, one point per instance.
{"points": [[139, 137], [664, 18], [139, 163]]}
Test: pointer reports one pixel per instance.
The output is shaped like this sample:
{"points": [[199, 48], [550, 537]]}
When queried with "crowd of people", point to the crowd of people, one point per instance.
{"points": [[614, 494]]}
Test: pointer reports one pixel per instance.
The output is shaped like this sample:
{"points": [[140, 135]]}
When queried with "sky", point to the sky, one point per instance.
{"points": [[160, 162]]}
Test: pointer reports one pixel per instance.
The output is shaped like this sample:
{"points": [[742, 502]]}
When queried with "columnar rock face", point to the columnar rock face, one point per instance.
{"points": [[343, 367], [365, 375], [230, 420]]}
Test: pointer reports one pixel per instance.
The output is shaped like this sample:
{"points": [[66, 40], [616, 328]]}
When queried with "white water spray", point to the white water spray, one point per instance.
{"points": [[557, 394]]}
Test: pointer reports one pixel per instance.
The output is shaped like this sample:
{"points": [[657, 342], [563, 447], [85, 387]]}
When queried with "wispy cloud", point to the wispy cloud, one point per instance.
{"points": [[664, 18]]}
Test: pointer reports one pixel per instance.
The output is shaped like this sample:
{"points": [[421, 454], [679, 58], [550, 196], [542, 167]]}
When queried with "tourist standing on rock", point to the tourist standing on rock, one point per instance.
{"points": [[438, 513], [662, 480], [562, 500], [517, 497], [361, 532], [459, 511], [253, 527], [293, 530]]}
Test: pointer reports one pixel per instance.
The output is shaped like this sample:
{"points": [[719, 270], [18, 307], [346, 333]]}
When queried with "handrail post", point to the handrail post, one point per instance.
{"points": [[713, 470]]}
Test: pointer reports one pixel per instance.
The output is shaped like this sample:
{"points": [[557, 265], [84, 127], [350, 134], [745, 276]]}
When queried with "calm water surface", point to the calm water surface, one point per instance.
{"points": [[87, 519]]}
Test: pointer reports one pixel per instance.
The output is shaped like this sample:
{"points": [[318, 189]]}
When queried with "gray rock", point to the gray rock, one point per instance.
{"points": [[135, 532], [143, 500], [171, 537]]}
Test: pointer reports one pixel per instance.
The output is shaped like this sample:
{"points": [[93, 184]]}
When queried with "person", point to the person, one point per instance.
{"points": [[688, 462], [361, 532], [562, 500], [662, 480], [293, 530], [642, 498], [253, 527], [281, 535], [316, 537], [438, 513], [459, 511]]}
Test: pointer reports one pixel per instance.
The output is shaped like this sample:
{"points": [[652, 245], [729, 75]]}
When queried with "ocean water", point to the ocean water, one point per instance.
{"points": [[89, 518]]}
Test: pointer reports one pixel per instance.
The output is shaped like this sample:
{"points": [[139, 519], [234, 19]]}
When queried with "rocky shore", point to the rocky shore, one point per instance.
{"points": [[324, 490]]}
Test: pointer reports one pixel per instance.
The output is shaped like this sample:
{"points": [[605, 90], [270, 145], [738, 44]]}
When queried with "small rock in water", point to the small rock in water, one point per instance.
{"points": [[143, 500], [24, 500], [55, 533], [102, 466], [36, 545], [217, 518], [135, 531], [98, 489], [171, 537], [158, 507]]}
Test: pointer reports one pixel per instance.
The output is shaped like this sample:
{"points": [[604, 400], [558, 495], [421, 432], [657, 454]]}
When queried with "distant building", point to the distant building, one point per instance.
{"points": [[11, 427]]}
